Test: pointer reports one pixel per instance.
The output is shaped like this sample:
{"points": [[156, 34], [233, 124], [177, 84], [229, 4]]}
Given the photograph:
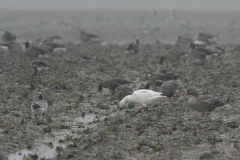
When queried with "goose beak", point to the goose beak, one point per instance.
{"points": [[185, 94], [188, 45]]}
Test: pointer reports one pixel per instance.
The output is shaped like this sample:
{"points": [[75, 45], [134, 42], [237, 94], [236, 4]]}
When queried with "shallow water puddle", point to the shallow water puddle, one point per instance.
{"points": [[89, 120], [43, 150]]}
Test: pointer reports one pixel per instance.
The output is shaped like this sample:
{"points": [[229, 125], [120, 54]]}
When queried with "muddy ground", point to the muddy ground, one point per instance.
{"points": [[170, 130]]}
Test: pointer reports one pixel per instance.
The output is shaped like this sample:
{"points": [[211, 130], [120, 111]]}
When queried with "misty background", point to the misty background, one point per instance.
{"points": [[122, 4]]}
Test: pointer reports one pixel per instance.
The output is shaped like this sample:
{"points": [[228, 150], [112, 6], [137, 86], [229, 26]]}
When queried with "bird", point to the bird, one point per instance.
{"points": [[204, 37], [157, 80], [202, 103], [122, 91], [168, 89], [14, 46], [33, 51], [39, 67], [39, 107], [171, 55], [88, 37], [180, 40], [198, 52], [217, 50], [49, 46], [85, 58], [7, 37], [144, 97], [112, 84], [134, 48]]}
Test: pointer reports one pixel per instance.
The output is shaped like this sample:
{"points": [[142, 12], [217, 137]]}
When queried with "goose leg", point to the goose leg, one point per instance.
{"points": [[35, 117], [143, 108], [207, 116], [202, 114]]}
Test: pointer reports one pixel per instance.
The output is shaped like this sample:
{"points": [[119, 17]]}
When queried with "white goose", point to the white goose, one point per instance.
{"points": [[144, 97]]}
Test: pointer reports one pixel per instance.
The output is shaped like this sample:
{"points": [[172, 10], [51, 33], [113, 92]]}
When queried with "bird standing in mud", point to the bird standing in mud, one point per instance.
{"points": [[33, 52], [168, 89], [39, 107], [171, 55], [122, 91], [8, 36], [39, 67], [202, 103], [88, 37], [112, 84], [198, 52], [134, 48], [49, 46], [157, 80], [144, 97]]}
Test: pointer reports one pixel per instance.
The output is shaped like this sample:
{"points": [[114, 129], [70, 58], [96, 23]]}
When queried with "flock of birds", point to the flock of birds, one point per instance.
{"points": [[118, 87]]}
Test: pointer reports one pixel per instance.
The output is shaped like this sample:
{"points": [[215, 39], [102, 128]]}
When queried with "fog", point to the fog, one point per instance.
{"points": [[123, 4]]}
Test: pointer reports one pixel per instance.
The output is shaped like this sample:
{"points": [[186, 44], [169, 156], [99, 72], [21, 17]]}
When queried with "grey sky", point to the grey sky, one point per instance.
{"points": [[123, 4]]}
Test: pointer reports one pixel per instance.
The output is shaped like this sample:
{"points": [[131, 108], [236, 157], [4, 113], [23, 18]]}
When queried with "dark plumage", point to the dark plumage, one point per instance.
{"points": [[33, 51], [168, 89], [39, 107], [88, 37], [183, 40], [48, 46], [7, 36], [134, 48], [14, 47], [202, 103], [122, 91], [213, 48], [204, 37], [39, 67], [112, 84], [198, 52], [157, 80], [171, 55]]}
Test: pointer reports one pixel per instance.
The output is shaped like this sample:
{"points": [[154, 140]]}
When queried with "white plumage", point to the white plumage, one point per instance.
{"points": [[143, 96]]}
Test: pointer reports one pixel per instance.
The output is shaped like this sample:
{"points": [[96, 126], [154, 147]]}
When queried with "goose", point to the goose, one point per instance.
{"points": [[157, 80], [144, 97], [204, 37], [88, 37], [213, 48], [8, 36], [39, 67], [14, 46], [168, 89], [122, 91], [171, 55], [49, 46], [33, 52], [198, 52], [180, 40], [133, 48], [112, 84], [39, 107], [202, 103]]}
